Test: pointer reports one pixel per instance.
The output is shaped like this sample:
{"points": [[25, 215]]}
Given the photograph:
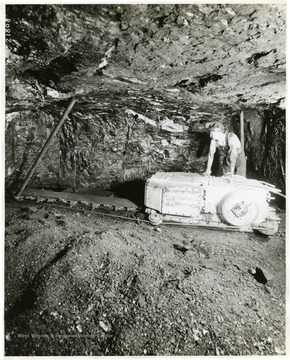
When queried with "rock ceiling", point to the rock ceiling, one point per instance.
{"points": [[171, 60]]}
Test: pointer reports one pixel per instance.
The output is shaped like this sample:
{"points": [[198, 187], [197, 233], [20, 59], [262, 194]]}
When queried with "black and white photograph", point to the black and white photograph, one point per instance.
{"points": [[145, 179]]}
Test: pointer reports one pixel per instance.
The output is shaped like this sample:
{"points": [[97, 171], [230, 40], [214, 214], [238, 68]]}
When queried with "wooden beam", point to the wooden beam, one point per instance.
{"points": [[45, 147]]}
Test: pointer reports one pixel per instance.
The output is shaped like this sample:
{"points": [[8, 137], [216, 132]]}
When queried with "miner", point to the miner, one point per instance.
{"points": [[229, 148]]}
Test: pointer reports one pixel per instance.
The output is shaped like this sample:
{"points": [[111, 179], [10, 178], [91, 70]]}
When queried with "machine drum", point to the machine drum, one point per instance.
{"points": [[155, 219], [238, 208]]}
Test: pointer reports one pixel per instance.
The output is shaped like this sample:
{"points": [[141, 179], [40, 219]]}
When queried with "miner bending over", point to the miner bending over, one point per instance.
{"points": [[229, 149]]}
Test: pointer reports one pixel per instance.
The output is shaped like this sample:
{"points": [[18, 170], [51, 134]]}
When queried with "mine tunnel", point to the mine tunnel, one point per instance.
{"points": [[145, 94], [148, 82]]}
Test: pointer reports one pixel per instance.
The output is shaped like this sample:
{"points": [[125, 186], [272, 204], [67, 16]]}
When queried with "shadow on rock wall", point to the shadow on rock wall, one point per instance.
{"points": [[133, 190]]}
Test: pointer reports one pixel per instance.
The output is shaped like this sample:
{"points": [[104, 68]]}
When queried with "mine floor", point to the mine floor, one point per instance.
{"points": [[79, 283]]}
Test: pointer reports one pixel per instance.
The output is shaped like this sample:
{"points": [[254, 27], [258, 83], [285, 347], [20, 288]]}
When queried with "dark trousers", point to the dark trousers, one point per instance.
{"points": [[225, 164]]}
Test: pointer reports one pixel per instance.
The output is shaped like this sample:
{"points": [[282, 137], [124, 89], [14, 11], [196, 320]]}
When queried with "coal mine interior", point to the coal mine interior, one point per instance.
{"points": [[118, 240]]}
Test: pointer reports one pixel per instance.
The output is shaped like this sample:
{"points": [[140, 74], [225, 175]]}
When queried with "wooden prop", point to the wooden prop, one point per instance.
{"points": [[45, 147], [243, 159]]}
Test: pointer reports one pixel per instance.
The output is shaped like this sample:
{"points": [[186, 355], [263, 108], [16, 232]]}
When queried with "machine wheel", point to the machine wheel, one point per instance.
{"points": [[155, 219], [239, 208]]}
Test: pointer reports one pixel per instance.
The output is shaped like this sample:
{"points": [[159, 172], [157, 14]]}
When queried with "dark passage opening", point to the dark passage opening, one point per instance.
{"points": [[132, 190]]}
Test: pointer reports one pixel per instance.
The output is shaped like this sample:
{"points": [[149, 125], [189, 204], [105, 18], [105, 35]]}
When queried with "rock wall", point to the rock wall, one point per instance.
{"points": [[92, 150], [25, 135], [273, 164], [148, 79], [265, 145]]}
